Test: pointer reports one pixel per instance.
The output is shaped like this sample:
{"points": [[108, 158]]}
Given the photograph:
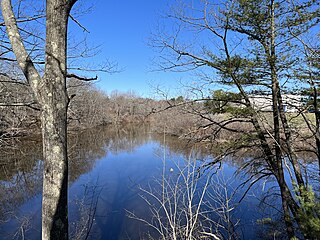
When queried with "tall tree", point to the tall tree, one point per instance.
{"points": [[250, 47], [50, 91]]}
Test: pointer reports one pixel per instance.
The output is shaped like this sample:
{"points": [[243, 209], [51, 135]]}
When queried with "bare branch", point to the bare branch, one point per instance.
{"points": [[21, 104], [78, 23], [27, 19], [71, 75], [18, 47]]}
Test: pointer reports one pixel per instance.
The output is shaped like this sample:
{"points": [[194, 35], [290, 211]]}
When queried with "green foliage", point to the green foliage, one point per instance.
{"points": [[226, 102], [308, 100], [179, 99], [309, 213], [254, 15], [240, 111], [221, 102], [247, 71]]}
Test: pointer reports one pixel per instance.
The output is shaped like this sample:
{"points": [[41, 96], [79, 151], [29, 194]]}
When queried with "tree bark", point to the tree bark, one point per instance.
{"points": [[54, 101], [51, 93], [271, 54], [317, 117]]}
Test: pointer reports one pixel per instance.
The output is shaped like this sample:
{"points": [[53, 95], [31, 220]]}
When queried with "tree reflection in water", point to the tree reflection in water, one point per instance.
{"points": [[108, 165]]}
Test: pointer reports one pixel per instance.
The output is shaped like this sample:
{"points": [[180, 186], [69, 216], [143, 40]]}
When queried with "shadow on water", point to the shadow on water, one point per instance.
{"points": [[107, 165]]}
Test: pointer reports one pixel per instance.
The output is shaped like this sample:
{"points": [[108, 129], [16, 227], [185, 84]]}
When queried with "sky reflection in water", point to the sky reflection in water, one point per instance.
{"points": [[107, 166]]}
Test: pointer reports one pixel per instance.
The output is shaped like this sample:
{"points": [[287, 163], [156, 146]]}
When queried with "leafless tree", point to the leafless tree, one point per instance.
{"points": [[51, 94], [187, 204], [241, 46]]}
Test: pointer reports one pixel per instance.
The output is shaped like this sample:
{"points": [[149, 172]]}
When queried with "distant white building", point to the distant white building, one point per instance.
{"points": [[291, 102]]}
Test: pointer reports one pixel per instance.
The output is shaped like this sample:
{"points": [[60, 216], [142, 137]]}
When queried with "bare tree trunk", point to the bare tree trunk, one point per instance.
{"points": [[286, 198], [276, 124], [55, 176], [317, 117], [53, 99], [51, 93]]}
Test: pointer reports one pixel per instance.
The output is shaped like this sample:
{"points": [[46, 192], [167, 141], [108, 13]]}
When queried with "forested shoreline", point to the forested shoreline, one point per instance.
{"points": [[198, 120], [88, 107]]}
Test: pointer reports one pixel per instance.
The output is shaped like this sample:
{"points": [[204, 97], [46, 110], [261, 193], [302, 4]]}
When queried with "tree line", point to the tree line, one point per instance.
{"points": [[89, 107]]}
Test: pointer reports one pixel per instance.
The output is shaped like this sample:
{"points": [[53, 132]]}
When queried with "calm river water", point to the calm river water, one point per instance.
{"points": [[109, 170]]}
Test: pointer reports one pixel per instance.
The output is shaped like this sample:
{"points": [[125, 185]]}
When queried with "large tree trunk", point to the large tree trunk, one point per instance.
{"points": [[50, 91], [53, 99], [55, 176]]}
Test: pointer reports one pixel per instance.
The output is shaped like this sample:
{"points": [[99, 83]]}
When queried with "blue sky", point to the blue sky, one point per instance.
{"points": [[123, 28]]}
